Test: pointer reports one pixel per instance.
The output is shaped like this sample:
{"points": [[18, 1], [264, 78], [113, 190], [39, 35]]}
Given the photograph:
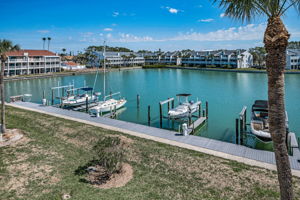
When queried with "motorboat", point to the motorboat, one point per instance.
{"points": [[80, 99], [76, 100], [260, 120], [185, 108]]}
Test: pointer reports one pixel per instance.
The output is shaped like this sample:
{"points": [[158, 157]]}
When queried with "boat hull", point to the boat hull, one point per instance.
{"points": [[102, 108]]}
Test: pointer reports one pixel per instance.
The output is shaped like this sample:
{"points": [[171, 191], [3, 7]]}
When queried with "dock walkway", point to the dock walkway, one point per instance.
{"points": [[217, 148]]}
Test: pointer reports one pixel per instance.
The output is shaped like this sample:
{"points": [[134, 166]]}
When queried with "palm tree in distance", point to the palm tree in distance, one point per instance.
{"points": [[5, 46], [64, 51], [44, 41], [276, 41], [49, 39]]}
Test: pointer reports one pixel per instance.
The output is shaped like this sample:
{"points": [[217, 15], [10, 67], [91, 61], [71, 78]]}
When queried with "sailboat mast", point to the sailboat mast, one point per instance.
{"points": [[104, 66]]}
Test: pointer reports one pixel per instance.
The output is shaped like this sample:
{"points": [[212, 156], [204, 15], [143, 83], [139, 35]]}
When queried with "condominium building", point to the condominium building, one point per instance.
{"points": [[293, 59], [220, 58], [116, 59], [31, 62]]}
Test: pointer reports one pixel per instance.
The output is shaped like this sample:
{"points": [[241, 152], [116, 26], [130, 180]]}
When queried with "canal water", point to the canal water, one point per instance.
{"points": [[226, 93]]}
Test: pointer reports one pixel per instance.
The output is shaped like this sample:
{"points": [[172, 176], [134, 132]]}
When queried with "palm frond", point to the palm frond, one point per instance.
{"points": [[291, 3], [244, 10], [7, 45]]}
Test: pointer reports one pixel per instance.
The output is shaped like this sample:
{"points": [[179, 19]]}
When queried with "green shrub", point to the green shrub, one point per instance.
{"points": [[109, 154]]}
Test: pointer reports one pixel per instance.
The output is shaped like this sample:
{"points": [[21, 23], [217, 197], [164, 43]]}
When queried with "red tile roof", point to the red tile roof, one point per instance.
{"points": [[31, 53], [71, 63]]}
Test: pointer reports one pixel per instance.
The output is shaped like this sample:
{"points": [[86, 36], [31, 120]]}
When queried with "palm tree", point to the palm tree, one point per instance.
{"points": [[276, 41], [49, 38], [44, 40], [5, 46]]}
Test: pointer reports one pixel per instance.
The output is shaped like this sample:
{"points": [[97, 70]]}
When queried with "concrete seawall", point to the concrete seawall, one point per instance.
{"points": [[74, 73]]}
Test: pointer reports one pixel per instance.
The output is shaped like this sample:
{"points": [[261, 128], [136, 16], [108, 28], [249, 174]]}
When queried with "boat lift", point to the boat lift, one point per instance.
{"points": [[58, 88], [191, 125]]}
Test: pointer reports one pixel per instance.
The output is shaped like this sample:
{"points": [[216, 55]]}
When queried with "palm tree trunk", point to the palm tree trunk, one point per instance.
{"points": [[3, 129], [276, 41]]}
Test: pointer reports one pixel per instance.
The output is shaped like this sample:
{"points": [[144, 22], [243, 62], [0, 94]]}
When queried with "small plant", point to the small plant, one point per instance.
{"points": [[109, 154]]}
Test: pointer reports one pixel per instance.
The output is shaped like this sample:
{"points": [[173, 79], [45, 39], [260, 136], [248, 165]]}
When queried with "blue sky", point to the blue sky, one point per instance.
{"points": [[166, 24]]}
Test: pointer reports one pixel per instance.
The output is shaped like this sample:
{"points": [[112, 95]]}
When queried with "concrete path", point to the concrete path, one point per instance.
{"points": [[259, 158]]}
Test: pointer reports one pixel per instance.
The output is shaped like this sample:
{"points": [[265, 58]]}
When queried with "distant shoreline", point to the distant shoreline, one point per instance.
{"points": [[67, 73], [218, 70], [89, 71]]}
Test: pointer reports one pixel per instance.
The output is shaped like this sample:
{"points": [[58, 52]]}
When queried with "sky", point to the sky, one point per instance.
{"points": [[149, 24]]}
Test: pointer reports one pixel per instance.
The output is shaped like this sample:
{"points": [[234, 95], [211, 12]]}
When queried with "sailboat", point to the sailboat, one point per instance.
{"points": [[108, 104]]}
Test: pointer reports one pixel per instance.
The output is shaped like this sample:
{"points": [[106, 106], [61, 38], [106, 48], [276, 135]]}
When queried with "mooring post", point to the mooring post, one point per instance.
{"points": [[52, 100], [203, 113], [206, 105], [149, 116], [44, 94], [237, 131], [138, 101], [160, 115], [199, 110], [245, 120], [241, 132], [168, 104], [173, 104], [87, 105]]}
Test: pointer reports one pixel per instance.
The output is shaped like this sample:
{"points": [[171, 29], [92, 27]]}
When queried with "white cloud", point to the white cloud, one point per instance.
{"points": [[109, 35], [222, 15], [248, 32], [108, 29], [115, 14], [43, 31], [205, 20], [172, 10]]}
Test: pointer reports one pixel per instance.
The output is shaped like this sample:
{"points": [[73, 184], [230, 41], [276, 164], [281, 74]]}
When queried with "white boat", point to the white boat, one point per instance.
{"points": [[184, 109], [107, 105], [76, 100], [260, 120]]}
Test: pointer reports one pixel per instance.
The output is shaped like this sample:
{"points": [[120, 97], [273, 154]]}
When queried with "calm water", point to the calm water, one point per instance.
{"points": [[226, 93]]}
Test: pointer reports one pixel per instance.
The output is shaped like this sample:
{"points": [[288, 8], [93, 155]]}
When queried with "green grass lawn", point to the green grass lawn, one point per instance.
{"points": [[43, 165]]}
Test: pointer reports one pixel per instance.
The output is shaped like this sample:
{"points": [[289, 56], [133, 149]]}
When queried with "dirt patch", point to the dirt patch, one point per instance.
{"points": [[98, 177], [24, 173], [12, 136]]}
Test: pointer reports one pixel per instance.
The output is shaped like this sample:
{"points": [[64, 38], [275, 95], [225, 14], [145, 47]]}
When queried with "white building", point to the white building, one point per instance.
{"points": [[31, 62], [293, 59], [70, 65], [116, 59], [220, 58]]}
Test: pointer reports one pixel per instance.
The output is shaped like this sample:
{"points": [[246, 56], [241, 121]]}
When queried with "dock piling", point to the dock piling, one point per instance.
{"points": [[237, 131], [149, 116], [206, 106], [241, 131], [87, 105], [138, 101], [168, 104], [52, 98], [160, 115]]}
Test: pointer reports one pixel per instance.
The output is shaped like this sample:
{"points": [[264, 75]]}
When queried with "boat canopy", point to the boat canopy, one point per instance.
{"points": [[87, 89], [183, 95], [260, 105]]}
